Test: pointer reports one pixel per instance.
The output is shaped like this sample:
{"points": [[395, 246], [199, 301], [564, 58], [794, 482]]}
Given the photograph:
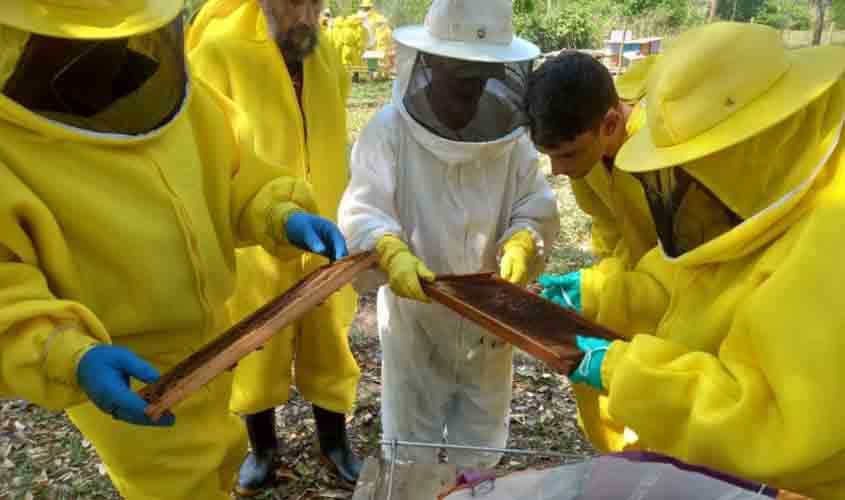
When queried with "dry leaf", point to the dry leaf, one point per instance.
{"points": [[335, 494]]}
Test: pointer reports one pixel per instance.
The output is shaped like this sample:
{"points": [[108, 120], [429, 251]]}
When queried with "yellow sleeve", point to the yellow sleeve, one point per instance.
{"points": [[42, 337], [604, 233], [632, 301], [769, 397], [608, 246]]}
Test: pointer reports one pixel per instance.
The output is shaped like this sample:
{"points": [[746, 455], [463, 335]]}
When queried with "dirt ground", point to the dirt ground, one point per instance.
{"points": [[42, 456]]}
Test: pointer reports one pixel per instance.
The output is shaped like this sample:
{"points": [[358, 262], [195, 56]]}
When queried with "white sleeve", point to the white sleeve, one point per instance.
{"points": [[367, 210], [535, 206]]}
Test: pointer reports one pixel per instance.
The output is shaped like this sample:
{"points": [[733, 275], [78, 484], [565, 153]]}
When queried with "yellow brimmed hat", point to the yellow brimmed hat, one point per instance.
{"points": [[721, 84], [88, 19]]}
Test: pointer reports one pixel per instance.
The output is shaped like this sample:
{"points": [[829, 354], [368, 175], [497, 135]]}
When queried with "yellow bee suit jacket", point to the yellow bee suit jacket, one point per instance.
{"points": [[127, 240], [232, 50], [743, 370], [622, 232]]}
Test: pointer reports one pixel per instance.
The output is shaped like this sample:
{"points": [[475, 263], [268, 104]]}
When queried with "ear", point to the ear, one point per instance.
{"points": [[612, 121]]}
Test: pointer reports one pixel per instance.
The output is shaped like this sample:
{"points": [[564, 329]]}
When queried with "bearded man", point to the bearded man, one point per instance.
{"points": [[270, 58]]}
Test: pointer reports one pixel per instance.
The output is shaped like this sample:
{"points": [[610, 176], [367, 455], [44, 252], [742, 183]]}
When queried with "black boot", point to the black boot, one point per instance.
{"points": [[334, 445], [257, 470]]}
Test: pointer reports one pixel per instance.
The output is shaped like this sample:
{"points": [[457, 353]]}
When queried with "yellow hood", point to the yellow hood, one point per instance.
{"points": [[766, 180]]}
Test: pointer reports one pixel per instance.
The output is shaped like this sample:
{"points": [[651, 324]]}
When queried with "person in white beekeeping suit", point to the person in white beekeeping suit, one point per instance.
{"points": [[445, 180]]}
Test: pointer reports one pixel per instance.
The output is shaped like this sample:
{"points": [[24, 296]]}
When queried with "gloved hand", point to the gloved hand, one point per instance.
{"points": [[517, 254], [404, 269], [589, 370], [103, 373], [563, 289], [316, 235]]}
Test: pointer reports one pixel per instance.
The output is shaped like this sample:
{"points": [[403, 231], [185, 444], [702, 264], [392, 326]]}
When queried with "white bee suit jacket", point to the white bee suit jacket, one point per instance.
{"points": [[455, 204]]}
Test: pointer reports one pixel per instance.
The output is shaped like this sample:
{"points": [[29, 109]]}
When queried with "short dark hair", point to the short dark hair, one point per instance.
{"points": [[567, 96]]}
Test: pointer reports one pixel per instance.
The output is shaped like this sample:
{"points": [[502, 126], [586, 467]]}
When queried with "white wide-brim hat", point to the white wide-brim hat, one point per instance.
{"points": [[469, 30]]}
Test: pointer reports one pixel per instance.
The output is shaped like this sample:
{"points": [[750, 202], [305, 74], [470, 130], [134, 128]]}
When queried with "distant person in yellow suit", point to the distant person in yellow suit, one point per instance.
{"points": [[384, 44], [370, 19], [338, 25], [577, 117], [743, 166], [270, 59], [126, 185]]}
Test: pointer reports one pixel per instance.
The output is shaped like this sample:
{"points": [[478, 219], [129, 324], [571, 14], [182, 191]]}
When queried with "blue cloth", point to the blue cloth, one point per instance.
{"points": [[589, 370], [563, 289], [104, 373], [316, 235]]}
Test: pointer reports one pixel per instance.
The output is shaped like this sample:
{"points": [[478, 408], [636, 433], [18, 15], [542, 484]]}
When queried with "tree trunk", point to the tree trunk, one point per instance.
{"points": [[714, 5], [622, 46], [818, 27]]}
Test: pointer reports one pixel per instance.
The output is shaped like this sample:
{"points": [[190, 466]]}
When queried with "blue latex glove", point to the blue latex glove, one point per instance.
{"points": [[563, 289], [316, 235], [104, 372], [589, 370]]}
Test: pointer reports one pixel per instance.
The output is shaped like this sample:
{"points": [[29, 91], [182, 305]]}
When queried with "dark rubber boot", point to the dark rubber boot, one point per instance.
{"points": [[256, 472], [334, 446]]}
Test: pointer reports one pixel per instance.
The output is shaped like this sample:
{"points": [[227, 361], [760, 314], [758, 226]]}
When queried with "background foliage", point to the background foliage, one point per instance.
{"points": [[558, 24]]}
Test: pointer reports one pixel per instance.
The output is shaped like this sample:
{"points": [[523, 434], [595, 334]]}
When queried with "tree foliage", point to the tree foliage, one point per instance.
{"points": [[838, 13], [571, 27]]}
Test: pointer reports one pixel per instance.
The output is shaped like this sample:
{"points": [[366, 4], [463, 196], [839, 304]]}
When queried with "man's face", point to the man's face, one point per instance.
{"points": [[463, 80], [576, 158], [295, 25]]}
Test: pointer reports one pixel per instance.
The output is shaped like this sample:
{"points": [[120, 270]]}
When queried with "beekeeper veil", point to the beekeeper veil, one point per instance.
{"points": [[462, 74], [87, 64]]}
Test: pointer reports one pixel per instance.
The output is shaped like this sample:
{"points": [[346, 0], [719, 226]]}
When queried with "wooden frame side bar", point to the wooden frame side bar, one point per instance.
{"points": [[251, 333]]}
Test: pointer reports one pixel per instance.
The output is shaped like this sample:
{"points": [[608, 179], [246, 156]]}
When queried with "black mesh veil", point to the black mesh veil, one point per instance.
{"points": [[686, 214], [489, 96], [127, 86]]}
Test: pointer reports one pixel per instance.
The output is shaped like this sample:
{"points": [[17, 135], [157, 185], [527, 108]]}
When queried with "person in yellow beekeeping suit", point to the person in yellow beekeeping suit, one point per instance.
{"points": [[346, 40], [370, 18], [743, 166], [581, 119], [287, 78], [355, 40], [126, 186], [384, 45]]}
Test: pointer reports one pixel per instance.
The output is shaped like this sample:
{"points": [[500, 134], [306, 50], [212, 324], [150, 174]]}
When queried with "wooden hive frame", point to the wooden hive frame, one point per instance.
{"points": [[538, 326], [250, 334]]}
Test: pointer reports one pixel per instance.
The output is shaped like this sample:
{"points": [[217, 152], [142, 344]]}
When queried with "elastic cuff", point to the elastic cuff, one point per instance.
{"points": [[530, 239], [591, 283], [388, 247], [614, 353], [63, 349], [278, 220]]}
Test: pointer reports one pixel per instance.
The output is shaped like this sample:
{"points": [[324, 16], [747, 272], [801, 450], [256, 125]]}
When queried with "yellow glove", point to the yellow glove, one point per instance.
{"points": [[518, 252], [404, 270]]}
